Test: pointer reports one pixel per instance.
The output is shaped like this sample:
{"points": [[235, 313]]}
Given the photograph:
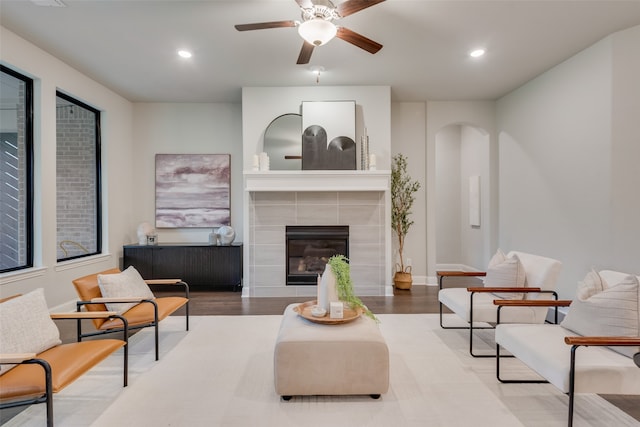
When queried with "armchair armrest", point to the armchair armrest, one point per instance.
{"points": [[84, 315], [602, 341], [103, 300], [532, 303], [552, 303], [458, 273], [12, 358], [506, 289], [164, 281]]}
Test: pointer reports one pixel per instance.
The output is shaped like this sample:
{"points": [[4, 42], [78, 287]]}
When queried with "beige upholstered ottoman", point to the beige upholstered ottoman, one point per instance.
{"points": [[317, 359]]}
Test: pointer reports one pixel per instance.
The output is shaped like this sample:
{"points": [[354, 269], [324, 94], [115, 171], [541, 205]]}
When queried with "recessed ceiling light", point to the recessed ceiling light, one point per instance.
{"points": [[184, 53], [477, 53]]}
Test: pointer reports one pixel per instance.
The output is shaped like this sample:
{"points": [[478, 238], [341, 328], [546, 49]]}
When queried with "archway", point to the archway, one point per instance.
{"points": [[462, 215]]}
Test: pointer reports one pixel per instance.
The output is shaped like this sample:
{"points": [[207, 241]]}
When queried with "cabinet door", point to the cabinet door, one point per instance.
{"points": [[141, 258], [228, 268], [199, 264], [168, 262]]}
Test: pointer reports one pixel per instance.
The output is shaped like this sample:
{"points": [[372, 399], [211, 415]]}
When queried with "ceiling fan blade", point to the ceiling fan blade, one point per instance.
{"points": [[305, 4], [352, 6], [358, 40], [305, 53], [265, 25]]}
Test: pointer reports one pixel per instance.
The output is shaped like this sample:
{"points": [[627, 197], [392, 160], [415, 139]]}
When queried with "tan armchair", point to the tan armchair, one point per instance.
{"points": [[145, 313], [37, 376]]}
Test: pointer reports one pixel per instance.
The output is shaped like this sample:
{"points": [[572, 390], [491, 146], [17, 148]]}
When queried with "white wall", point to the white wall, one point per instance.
{"points": [[568, 161], [448, 197], [174, 128], [408, 128], [50, 74], [474, 161]]}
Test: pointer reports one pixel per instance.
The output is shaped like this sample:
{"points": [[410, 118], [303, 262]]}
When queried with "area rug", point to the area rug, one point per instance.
{"points": [[220, 373]]}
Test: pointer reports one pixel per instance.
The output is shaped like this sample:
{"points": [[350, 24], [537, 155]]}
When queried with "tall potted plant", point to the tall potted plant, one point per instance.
{"points": [[403, 190]]}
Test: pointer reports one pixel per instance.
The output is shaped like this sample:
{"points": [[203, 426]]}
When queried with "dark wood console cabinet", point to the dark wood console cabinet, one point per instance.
{"points": [[200, 265]]}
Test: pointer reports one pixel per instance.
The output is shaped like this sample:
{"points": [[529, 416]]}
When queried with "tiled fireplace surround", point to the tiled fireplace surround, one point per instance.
{"points": [[275, 200]]}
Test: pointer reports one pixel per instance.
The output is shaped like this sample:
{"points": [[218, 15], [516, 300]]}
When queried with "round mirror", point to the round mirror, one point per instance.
{"points": [[283, 142]]}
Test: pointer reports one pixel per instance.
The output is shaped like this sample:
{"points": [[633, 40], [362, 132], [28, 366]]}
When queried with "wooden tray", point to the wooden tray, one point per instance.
{"points": [[304, 310]]}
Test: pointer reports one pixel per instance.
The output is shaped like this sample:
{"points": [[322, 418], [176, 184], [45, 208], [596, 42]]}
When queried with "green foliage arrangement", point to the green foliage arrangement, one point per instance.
{"points": [[340, 267], [402, 198]]}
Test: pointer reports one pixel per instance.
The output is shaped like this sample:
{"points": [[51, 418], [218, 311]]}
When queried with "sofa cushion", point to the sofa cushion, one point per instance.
{"points": [[26, 326], [505, 272], [612, 312], [592, 284], [128, 283]]}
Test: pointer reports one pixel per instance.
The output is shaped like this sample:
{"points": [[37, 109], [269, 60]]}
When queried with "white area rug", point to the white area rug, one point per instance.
{"points": [[221, 374]]}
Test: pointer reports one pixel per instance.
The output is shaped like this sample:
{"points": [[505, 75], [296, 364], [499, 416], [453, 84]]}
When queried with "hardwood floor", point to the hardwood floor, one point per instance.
{"points": [[420, 299]]}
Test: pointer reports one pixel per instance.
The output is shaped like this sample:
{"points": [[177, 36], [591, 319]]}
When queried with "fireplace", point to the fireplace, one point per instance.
{"points": [[309, 247]]}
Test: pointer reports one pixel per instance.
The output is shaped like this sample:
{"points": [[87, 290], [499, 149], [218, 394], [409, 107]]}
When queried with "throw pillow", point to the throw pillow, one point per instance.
{"points": [[497, 258], [505, 272], [592, 284], [128, 283], [612, 312], [27, 326]]}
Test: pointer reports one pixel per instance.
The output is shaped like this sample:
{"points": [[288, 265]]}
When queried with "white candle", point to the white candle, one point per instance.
{"points": [[372, 162], [322, 293]]}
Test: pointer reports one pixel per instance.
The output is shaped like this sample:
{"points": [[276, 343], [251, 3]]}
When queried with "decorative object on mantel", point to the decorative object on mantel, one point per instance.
{"points": [[263, 161], [193, 190], [328, 138], [283, 143], [145, 231], [402, 198], [364, 151]]}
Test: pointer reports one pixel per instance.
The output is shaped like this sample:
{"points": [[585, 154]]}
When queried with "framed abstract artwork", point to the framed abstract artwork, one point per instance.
{"points": [[328, 135], [193, 190]]}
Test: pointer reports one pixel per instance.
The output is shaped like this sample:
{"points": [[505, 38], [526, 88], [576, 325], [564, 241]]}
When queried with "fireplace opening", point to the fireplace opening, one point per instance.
{"points": [[309, 248]]}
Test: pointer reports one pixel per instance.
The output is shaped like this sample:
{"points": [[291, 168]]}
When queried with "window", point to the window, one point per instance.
{"points": [[16, 170], [78, 200]]}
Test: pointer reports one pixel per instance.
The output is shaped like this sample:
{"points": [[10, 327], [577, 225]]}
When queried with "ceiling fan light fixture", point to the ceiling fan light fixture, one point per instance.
{"points": [[317, 31]]}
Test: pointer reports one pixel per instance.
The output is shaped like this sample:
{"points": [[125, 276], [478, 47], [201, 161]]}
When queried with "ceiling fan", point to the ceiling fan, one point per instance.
{"points": [[317, 26]]}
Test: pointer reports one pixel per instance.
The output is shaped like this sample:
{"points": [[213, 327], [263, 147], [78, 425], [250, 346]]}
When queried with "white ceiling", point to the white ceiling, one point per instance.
{"points": [[130, 46]]}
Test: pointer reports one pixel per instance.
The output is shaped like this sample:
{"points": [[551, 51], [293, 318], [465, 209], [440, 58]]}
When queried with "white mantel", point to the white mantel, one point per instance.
{"points": [[360, 199], [324, 180]]}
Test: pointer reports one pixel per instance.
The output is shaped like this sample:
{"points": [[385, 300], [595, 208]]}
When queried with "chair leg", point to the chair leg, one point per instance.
{"points": [[48, 388], [125, 368], [498, 357], [572, 385], [157, 344], [187, 314], [471, 328]]}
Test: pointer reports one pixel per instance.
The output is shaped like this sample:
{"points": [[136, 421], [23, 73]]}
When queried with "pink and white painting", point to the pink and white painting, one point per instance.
{"points": [[193, 190]]}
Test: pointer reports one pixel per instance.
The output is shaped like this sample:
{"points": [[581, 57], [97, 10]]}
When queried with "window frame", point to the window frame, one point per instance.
{"points": [[29, 168], [98, 177]]}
